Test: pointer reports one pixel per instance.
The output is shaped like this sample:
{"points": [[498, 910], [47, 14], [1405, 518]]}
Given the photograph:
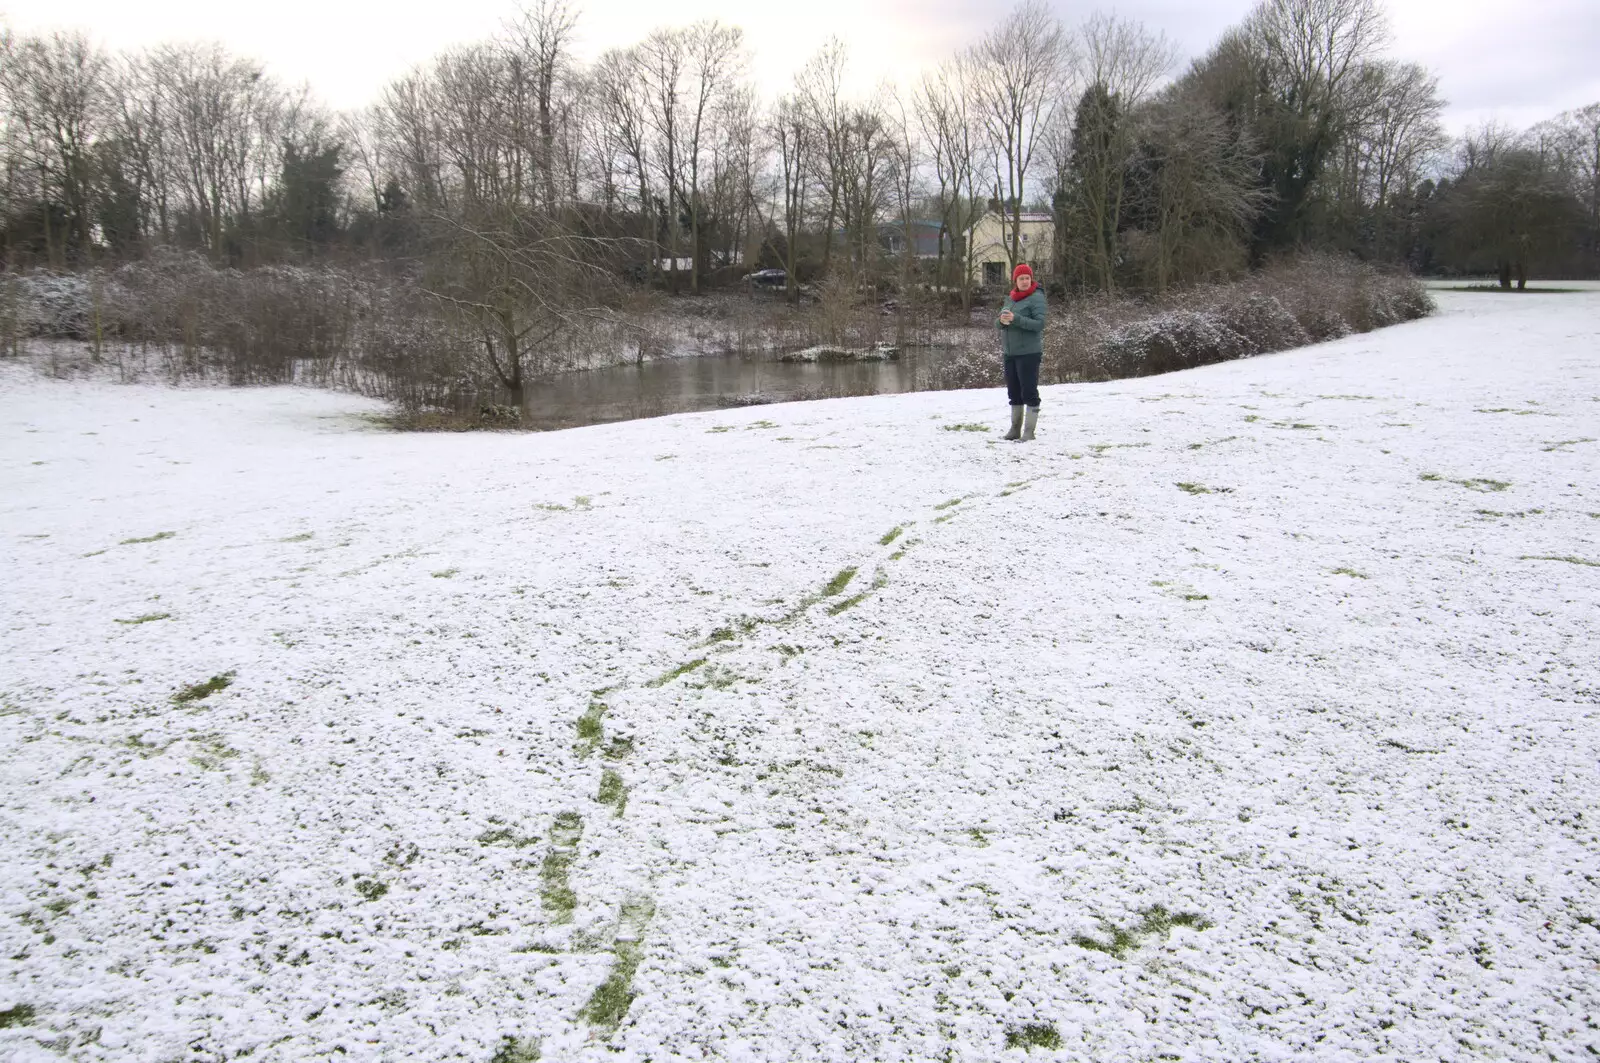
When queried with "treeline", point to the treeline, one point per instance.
{"points": [[519, 188], [1295, 130]]}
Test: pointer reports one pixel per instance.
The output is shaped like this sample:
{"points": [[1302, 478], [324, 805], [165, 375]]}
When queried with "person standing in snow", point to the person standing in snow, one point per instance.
{"points": [[1021, 325]]}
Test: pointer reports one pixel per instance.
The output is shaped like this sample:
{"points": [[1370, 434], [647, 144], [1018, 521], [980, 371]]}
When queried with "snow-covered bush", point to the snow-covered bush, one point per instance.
{"points": [[1306, 299], [55, 305], [1175, 339], [1263, 323]]}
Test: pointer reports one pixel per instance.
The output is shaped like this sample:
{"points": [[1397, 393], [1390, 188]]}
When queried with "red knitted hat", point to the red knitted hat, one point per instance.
{"points": [[1022, 267]]}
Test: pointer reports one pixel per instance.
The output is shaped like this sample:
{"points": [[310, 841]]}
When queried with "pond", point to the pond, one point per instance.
{"points": [[713, 382]]}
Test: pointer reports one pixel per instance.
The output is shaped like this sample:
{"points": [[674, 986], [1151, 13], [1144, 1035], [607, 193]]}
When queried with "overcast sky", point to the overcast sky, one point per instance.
{"points": [[1515, 60]]}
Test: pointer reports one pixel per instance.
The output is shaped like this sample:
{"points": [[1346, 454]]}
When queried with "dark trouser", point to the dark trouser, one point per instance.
{"points": [[1022, 379]]}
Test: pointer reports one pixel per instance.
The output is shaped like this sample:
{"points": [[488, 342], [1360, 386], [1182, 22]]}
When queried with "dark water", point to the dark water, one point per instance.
{"points": [[712, 382]]}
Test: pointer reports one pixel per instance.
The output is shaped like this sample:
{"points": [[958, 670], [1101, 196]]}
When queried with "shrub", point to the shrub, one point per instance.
{"points": [[1305, 299], [1176, 339]]}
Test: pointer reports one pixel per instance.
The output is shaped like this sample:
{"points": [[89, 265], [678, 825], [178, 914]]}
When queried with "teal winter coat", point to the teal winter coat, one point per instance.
{"points": [[1025, 334]]}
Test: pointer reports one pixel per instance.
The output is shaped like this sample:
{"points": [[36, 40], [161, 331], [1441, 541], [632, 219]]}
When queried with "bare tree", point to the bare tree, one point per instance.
{"points": [[58, 95], [663, 59], [905, 153], [1197, 191], [517, 280], [1310, 55], [1577, 135], [716, 69], [820, 87], [790, 131], [620, 79], [949, 129], [866, 160], [1122, 61], [215, 114], [1513, 209], [1019, 71], [539, 56]]}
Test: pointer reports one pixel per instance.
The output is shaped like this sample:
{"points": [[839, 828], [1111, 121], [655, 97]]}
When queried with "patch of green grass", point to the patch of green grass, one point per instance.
{"points": [[848, 603], [1202, 489], [666, 457], [370, 888], [1349, 572], [965, 427], [1034, 1035], [1153, 920], [609, 1004], [147, 618], [516, 1050], [203, 690], [506, 836], [1251, 418], [714, 678], [17, 1015], [1197, 597], [759, 425], [1395, 743], [718, 429], [1212, 442], [303, 537], [892, 535], [590, 729], [555, 891], [1565, 443], [729, 632], [948, 503], [1471, 483], [683, 669], [840, 581], [156, 538], [446, 573], [214, 751], [1568, 560], [613, 791]]}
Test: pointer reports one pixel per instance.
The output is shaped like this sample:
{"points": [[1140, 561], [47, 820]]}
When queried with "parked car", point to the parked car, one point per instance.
{"points": [[768, 278]]}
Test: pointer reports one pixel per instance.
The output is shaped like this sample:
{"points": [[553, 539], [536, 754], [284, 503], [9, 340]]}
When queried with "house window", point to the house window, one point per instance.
{"points": [[994, 272]]}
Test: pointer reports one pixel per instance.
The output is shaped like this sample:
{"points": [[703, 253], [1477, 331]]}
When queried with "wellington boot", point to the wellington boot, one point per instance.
{"points": [[1028, 422], [1016, 424]]}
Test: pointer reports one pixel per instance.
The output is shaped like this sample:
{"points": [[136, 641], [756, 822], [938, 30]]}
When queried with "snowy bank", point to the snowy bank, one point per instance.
{"points": [[1248, 714]]}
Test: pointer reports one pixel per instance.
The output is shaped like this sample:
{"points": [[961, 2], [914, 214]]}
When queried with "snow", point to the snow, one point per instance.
{"points": [[1336, 698]]}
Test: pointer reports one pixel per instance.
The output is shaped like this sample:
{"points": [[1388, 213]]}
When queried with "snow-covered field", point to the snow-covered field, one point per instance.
{"points": [[1250, 713]]}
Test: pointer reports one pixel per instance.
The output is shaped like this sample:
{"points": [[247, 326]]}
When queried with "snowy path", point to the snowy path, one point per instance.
{"points": [[1251, 713]]}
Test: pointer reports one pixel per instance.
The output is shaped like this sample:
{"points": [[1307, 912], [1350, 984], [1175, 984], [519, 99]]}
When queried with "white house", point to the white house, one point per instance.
{"points": [[991, 263]]}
